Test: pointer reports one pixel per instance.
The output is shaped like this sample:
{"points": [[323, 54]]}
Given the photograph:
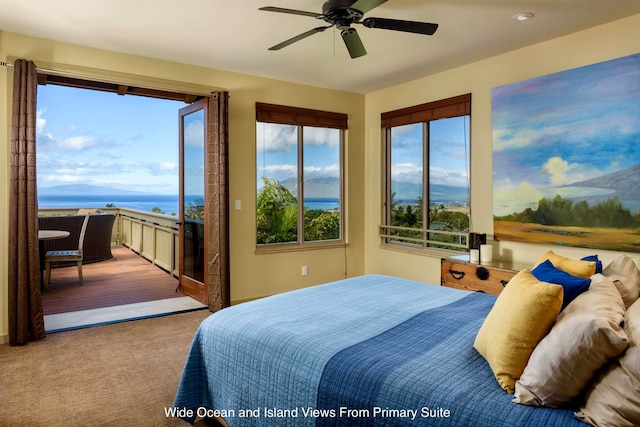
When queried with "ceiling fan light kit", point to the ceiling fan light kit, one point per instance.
{"points": [[344, 13]]}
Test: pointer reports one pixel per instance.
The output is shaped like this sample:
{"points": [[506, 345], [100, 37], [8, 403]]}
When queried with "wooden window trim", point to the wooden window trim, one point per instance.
{"points": [[281, 114], [120, 89], [442, 109]]}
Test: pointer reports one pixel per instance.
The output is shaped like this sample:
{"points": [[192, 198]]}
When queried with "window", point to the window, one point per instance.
{"points": [[427, 159], [299, 175]]}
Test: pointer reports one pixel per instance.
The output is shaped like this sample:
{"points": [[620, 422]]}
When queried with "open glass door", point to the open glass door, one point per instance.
{"points": [[193, 240]]}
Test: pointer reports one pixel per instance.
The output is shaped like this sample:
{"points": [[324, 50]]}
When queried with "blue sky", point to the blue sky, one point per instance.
{"points": [[555, 130], [448, 156], [99, 138], [278, 154]]}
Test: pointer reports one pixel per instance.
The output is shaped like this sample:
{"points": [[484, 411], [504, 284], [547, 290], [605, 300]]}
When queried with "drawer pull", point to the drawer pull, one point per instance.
{"points": [[504, 282], [482, 273], [456, 274]]}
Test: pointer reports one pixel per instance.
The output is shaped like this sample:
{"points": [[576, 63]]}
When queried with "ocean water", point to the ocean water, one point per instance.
{"points": [[322, 204], [146, 202]]}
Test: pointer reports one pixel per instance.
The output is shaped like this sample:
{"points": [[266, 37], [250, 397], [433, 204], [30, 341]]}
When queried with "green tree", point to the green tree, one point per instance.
{"points": [[277, 213], [195, 209], [277, 217], [562, 212], [321, 225]]}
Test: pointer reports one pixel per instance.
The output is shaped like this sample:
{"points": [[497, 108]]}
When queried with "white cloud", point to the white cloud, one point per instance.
{"points": [[557, 169], [273, 137], [65, 179], [504, 139], [448, 177], [194, 134], [406, 172], [78, 143], [321, 136], [278, 170], [410, 172], [332, 170], [41, 122], [514, 198], [165, 167], [560, 172]]}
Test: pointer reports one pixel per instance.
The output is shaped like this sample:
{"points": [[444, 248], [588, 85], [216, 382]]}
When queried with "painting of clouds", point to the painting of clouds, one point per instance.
{"points": [[566, 157]]}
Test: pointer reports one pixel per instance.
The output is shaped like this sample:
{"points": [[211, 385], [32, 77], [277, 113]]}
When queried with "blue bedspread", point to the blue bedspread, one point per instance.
{"points": [[372, 351]]}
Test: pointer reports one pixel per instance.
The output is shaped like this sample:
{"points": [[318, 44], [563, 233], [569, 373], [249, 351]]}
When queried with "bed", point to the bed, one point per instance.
{"points": [[370, 350]]}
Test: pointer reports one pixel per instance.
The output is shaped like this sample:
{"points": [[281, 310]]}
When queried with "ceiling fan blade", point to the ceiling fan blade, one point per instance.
{"points": [[291, 11], [352, 41], [299, 37], [365, 6], [400, 25]]}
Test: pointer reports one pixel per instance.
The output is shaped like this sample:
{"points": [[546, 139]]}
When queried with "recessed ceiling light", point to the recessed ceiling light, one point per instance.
{"points": [[523, 16]]}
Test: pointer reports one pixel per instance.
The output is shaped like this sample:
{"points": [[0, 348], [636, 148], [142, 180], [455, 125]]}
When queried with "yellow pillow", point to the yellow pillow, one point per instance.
{"points": [[521, 316], [576, 267]]}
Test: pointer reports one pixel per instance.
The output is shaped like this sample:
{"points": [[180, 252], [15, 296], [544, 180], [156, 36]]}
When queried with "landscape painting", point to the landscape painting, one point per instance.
{"points": [[566, 157]]}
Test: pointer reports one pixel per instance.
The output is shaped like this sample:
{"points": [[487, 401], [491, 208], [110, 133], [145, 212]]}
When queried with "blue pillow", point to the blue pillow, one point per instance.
{"points": [[573, 285], [595, 259]]}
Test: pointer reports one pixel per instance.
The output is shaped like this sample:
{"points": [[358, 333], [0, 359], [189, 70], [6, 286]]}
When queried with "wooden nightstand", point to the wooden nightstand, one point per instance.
{"points": [[457, 272]]}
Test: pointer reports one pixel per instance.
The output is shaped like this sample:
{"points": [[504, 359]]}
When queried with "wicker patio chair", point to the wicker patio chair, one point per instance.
{"points": [[97, 243], [66, 255]]}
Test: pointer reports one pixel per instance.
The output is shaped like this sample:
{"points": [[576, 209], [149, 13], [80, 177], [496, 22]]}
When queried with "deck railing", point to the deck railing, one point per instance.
{"points": [[152, 236]]}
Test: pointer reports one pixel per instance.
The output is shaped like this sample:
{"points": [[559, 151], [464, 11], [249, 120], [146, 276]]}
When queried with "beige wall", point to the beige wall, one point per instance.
{"points": [[251, 275], [599, 44]]}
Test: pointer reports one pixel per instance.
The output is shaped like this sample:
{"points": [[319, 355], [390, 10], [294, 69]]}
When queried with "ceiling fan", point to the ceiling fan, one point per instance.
{"points": [[342, 14]]}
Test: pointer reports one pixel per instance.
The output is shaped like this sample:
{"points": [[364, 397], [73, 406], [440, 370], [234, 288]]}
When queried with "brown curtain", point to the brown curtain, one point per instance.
{"points": [[26, 320], [218, 200]]}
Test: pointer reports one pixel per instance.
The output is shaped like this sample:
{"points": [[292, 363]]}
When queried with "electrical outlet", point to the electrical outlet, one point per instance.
{"points": [[304, 270]]}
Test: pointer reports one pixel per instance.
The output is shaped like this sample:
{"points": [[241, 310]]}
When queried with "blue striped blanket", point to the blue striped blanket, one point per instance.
{"points": [[367, 351]]}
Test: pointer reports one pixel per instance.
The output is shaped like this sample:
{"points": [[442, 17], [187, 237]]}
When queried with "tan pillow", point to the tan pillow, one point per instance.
{"points": [[586, 336], [626, 276], [584, 269], [521, 316], [614, 399]]}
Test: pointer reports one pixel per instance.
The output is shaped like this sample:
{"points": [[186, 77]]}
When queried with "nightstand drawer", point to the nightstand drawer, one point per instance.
{"points": [[475, 277]]}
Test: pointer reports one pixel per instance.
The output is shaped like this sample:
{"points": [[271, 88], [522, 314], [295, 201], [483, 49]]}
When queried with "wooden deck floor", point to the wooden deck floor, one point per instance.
{"points": [[126, 279]]}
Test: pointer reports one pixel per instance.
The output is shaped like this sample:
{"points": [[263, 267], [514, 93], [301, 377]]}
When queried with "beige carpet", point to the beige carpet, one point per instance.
{"points": [[115, 375]]}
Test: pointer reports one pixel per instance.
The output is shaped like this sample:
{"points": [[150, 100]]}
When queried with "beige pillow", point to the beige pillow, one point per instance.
{"points": [[521, 316], [614, 399], [586, 336], [626, 276], [584, 269]]}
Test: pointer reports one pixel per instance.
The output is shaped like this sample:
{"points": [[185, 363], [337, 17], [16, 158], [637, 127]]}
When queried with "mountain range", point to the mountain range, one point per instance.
{"points": [[82, 189], [329, 188], [625, 182]]}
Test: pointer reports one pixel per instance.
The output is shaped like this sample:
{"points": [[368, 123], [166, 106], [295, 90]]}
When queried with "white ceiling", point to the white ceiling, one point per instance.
{"points": [[234, 35]]}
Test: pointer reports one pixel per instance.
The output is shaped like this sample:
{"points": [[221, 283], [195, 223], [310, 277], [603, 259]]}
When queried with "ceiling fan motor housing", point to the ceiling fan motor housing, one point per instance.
{"points": [[340, 13]]}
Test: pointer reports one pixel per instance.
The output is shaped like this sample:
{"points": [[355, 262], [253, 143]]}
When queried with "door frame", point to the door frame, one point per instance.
{"points": [[189, 285]]}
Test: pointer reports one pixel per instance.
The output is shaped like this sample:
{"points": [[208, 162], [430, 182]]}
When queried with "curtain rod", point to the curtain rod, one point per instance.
{"points": [[90, 78], [10, 65]]}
